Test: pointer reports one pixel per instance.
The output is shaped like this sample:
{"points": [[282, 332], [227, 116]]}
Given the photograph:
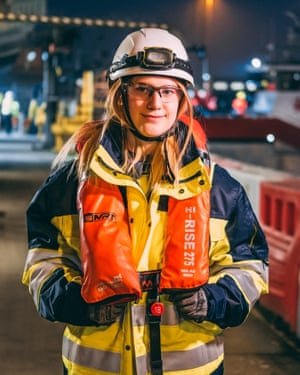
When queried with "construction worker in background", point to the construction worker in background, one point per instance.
{"points": [[41, 118], [37, 117], [32, 109], [239, 104], [140, 244], [7, 111]]}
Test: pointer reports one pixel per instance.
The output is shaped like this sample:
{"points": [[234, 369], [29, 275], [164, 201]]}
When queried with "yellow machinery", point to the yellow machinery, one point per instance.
{"points": [[64, 126]]}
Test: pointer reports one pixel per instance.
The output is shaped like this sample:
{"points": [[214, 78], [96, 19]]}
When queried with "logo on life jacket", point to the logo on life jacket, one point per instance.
{"points": [[93, 217], [189, 244], [116, 283]]}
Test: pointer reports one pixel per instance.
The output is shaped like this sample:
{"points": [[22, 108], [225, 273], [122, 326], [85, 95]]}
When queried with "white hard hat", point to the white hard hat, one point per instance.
{"points": [[151, 51]]}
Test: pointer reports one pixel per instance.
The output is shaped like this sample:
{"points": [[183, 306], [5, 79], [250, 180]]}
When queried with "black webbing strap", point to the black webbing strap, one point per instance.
{"points": [[154, 329]]}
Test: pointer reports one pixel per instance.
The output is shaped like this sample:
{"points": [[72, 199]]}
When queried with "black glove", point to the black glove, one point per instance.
{"points": [[102, 314], [191, 305]]}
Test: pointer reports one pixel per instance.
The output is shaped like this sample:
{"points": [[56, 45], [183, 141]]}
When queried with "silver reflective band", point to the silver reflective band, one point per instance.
{"points": [[141, 91]]}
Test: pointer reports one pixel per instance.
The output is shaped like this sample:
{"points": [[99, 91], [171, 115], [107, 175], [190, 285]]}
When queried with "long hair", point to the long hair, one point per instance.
{"points": [[166, 159]]}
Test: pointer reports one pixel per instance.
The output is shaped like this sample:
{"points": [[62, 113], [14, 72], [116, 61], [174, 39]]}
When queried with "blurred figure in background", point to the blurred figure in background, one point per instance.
{"points": [[7, 111], [37, 117]]}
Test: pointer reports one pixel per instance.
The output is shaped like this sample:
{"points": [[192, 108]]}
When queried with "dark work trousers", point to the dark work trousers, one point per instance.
{"points": [[7, 123]]}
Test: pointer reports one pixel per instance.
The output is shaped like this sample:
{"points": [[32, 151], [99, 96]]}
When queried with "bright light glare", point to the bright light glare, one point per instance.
{"points": [[256, 63], [206, 76], [237, 85], [296, 76], [220, 86], [31, 56], [45, 56], [270, 138], [202, 93], [191, 93], [209, 3], [251, 85]]}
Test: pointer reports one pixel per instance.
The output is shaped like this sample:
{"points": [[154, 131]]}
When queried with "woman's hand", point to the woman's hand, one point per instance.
{"points": [[105, 314], [191, 305]]}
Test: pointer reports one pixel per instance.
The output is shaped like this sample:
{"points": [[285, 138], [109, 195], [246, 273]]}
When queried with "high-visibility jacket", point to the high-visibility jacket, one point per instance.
{"points": [[53, 271]]}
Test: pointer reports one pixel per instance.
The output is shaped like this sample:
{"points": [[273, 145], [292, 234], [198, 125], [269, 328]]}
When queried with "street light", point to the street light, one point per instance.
{"points": [[209, 3], [256, 63]]}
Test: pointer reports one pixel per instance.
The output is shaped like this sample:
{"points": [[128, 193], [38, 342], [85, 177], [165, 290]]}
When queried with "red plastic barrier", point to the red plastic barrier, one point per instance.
{"points": [[280, 219]]}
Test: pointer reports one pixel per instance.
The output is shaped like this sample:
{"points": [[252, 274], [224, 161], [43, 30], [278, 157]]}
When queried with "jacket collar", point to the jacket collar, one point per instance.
{"points": [[106, 163], [113, 138]]}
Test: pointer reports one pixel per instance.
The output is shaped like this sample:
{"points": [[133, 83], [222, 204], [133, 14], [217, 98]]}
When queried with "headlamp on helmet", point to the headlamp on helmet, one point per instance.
{"points": [[150, 58], [160, 58], [151, 52]]}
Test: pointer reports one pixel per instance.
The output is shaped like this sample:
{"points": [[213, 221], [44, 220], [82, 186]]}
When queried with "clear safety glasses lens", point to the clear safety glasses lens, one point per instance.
{"points": [[138, 91]]}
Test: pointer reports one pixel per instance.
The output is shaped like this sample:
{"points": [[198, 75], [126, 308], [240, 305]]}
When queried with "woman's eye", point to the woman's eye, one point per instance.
{"points": [[141, 89], [168, 91]]}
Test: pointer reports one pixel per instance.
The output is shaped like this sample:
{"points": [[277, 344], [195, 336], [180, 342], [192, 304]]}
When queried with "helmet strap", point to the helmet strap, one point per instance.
{"points": [[142, 137]]}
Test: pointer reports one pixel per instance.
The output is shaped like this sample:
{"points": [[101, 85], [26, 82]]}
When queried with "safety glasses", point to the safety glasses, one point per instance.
{"points": [[142, 91]]}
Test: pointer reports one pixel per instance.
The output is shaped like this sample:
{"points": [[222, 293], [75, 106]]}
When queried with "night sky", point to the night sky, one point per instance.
{"points": [[233, 32]]}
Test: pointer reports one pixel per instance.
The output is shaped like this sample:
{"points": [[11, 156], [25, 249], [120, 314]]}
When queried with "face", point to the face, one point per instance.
{"points": [[153, 112]]}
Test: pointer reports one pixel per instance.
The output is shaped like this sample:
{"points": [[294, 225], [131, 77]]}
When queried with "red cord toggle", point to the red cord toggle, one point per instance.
{"points": [[157, 308]]}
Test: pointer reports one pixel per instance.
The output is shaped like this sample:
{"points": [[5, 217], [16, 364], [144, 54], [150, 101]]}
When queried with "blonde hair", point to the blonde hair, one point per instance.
{"points": [[166, 158]]}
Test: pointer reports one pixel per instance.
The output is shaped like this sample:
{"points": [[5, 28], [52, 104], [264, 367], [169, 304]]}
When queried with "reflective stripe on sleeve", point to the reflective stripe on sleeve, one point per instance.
{"points": [[251, 277], [50, 260], [38, 277], [39, 255], [91, 358]]}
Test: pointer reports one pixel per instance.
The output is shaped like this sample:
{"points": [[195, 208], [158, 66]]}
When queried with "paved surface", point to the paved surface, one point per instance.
{"points": [[30, 345]]}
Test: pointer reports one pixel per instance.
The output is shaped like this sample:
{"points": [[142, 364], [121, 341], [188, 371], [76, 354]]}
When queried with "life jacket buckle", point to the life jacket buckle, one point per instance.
{"points": [[149, 280]]}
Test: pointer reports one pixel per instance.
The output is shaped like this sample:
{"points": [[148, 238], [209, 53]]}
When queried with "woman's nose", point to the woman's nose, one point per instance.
{"points": [[154, 100]]}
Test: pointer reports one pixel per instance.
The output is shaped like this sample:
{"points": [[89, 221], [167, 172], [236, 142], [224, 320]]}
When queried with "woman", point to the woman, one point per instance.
{"points": [[145, 249]]}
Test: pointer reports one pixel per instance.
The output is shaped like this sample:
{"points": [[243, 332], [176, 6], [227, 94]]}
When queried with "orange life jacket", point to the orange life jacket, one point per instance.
{"points": [[107, 261], [109, 272], [186, 260]]}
